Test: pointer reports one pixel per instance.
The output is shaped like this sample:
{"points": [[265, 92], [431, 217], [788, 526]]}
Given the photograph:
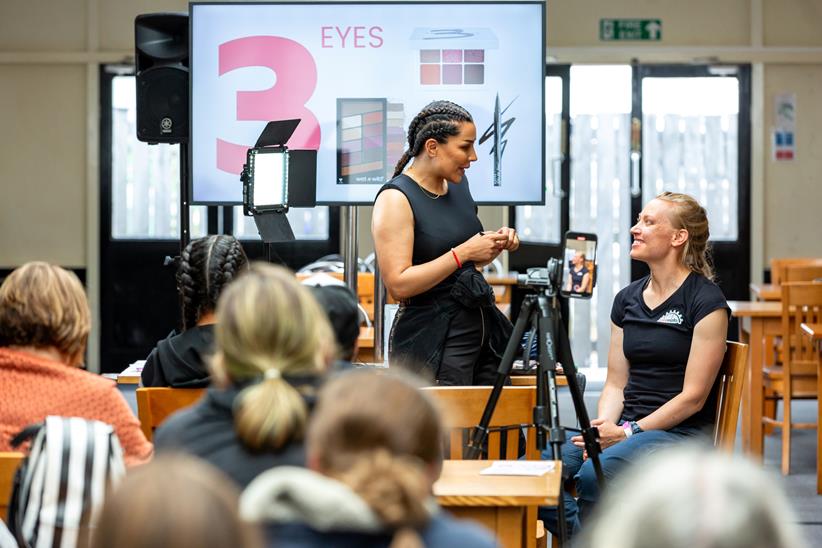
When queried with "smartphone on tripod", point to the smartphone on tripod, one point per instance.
{"points": [[579, 270]]}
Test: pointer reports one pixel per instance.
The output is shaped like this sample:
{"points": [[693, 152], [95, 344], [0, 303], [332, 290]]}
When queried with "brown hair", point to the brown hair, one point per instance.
{"points": [[380, 435], [175, 501], [268, 325], [44, 305], [689, 215]]}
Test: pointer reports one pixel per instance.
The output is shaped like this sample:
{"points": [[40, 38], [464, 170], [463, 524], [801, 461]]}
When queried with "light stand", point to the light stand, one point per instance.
{"points": [[541, 312]]}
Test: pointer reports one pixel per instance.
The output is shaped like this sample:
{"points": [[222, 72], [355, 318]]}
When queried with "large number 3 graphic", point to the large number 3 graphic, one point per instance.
{"points": [[296, 79]]}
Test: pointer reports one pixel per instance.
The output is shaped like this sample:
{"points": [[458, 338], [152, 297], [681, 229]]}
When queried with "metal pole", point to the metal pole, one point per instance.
{"points": [[379, 313], [185, 234], [350, 254]]}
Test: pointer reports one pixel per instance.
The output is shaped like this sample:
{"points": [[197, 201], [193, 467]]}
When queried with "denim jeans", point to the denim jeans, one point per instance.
{"points": [[612, 460]]}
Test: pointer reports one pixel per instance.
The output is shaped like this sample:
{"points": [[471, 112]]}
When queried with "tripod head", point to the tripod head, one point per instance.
{"points": [[546, 278]]}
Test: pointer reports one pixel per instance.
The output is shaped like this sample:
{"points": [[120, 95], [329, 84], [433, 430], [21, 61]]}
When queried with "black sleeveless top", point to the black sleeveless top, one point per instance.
{"points": [[441, 223]]}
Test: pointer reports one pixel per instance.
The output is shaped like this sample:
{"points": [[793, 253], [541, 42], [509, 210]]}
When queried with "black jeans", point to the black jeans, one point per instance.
{"points": [[466, 357]]}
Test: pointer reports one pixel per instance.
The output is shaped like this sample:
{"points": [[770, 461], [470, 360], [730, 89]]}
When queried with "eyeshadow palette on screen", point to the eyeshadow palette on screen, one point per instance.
{"points": [[361, 141], [355, 74]]}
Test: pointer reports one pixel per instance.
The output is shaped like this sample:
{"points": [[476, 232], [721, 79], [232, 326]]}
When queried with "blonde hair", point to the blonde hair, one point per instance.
{"points": [[687, 214], [44, 305], [381, 436], [268, 326], [175, 501], [693, 496]]}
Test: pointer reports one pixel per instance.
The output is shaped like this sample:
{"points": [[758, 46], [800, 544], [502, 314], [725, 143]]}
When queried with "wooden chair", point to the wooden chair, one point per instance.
{"points": [[731, 380], [796, 378], [9, 461], [462, 407], [778, 266], [802, 273], [154, 405]]}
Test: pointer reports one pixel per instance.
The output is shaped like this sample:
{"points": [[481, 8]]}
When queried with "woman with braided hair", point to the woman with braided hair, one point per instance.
{"points": [[273, 345], [430, 243], [206, 266], [374, 451]]}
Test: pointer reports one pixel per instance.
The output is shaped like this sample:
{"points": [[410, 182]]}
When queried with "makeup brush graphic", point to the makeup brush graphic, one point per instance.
{"points": [[497, 130]]}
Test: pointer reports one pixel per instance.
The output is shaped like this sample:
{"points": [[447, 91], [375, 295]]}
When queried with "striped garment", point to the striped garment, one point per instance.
{"points": [[64, 479]]}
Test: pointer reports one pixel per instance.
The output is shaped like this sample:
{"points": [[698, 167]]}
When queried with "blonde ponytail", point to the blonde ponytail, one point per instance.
{"points": [[270, 414], [269, 326], [692, 217]]}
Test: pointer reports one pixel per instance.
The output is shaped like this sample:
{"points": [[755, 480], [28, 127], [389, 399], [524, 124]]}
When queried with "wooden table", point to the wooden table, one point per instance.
{"points": [[766, 292], [814, 331], [500, 503], [758, 321], [531, 380]]}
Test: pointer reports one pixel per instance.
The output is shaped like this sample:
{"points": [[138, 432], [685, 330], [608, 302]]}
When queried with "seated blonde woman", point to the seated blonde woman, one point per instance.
{"points": [[44, 326], [374, 451], [273, 344]]}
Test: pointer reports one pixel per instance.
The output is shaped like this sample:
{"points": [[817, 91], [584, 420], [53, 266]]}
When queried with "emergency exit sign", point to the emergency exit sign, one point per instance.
{"points": [[630, 29]]}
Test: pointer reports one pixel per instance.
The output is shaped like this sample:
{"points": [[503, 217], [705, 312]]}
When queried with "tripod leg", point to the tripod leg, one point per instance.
{"points": [[547, 409], [480, 433]]}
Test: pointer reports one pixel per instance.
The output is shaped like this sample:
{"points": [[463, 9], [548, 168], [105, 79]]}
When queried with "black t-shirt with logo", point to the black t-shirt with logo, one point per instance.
{"points": [[657, 343]]}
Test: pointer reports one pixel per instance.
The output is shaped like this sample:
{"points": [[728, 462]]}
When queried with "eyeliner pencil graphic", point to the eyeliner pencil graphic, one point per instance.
{"points": [[497, 147]]}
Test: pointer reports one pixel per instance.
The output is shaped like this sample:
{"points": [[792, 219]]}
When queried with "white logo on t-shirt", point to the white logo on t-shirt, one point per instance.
{"points": [[672, 317]]}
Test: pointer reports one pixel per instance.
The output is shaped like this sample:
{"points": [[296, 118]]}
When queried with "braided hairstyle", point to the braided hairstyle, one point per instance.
{"points": [[206, 266], [438, 120]]}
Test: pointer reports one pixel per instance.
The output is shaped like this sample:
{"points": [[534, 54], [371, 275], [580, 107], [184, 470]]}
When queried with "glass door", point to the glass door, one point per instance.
{"points": [[599, 200], [695, 138]]}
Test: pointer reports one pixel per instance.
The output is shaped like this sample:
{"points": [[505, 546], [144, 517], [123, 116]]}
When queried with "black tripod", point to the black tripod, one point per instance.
{"points": [[542, 313]]}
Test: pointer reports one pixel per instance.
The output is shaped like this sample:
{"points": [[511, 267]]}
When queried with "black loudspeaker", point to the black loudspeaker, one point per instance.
{"points": [[162, 58]]}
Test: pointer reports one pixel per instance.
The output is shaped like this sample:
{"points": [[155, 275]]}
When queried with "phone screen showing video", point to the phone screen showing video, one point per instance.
{"points": [[579, 266]]}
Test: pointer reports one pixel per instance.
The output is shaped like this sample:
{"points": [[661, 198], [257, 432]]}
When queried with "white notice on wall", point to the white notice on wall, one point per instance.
{"points": [[518, 468]]}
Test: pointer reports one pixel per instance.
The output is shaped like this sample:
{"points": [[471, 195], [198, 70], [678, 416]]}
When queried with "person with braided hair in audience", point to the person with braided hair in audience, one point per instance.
{"points": [[273, 346], [206, 266], [430, 244], [374, 449]]}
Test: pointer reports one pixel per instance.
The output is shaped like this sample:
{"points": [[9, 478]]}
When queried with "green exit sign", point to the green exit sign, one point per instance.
{"points": [[630, 29]]}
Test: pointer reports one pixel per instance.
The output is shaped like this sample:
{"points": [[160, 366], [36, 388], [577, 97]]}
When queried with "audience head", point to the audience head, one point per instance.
{"points": [[175, 501], [690, 496], [206, 266], [382, 436], [43, 306], [686, 214], [438, 120], [340, 305], [270, 327]]}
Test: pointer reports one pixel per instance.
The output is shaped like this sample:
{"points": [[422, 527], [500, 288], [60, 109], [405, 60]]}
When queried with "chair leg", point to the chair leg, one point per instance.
{"points": [[786, 430], [769, 411]]}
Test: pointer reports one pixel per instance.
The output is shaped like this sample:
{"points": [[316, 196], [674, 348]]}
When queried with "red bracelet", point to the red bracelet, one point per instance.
{"points": [[454, 253]]}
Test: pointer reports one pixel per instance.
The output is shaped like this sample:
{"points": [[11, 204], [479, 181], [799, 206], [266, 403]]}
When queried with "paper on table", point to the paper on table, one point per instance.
{"points": [[518, 468], [133, 369]]}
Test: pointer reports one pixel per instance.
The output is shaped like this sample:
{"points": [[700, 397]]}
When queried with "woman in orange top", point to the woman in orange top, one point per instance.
{"points": [[44, 327]]}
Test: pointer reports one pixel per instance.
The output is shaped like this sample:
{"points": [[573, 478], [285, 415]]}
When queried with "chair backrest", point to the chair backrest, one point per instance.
{"points": [[778, 266], [155, 404], [801, 303], [462, 408], [731, 379], [9, 461], [802, 273]]}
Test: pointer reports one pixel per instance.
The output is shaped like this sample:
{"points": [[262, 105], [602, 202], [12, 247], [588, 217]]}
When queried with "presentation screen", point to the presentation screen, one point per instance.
{"points": [[356, 74]]}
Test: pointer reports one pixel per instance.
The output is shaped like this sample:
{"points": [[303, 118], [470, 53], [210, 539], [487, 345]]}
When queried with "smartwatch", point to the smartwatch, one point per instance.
{"points": [[631, 428]]}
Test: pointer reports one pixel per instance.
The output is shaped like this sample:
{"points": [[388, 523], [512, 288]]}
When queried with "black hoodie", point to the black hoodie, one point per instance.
{"points": [[179, 361]]}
